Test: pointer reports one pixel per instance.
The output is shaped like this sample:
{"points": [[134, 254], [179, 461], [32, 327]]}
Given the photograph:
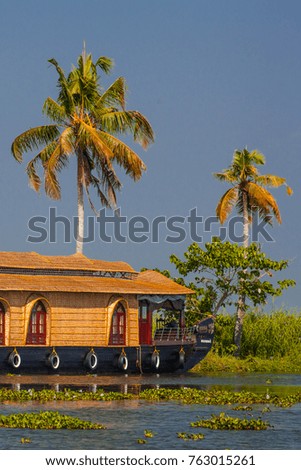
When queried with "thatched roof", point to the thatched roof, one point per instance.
{"points": [[32, 260], [36, 273]]}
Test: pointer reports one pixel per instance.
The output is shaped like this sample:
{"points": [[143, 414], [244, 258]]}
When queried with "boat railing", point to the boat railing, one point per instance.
{"points": [[174, 334]]}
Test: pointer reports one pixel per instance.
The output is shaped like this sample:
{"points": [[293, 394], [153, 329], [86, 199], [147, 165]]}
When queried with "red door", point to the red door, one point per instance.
{"points": [[37, 325], [2, 324], [118, 326], [145, 324]]}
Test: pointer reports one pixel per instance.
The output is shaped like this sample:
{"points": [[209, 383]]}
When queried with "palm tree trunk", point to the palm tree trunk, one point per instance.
{"points": [[80, 207], [240, 313], [245, 219], [241, 303]]}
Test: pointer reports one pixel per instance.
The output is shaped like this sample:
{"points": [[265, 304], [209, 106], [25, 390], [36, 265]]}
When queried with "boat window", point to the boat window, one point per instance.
{"points": [[118, 325], [2, 324], [37, 324]]}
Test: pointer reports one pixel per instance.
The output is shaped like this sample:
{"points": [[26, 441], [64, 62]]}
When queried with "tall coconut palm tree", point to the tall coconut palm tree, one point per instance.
{"points": [[86, 124], [249, 195]]}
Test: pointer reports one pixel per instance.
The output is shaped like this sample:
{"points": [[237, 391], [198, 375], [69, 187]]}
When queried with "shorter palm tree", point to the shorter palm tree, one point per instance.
{"points": [[249, 195]]}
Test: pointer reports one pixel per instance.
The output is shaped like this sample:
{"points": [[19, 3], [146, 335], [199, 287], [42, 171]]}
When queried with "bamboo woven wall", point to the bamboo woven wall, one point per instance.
{"points": [[73, 319]]}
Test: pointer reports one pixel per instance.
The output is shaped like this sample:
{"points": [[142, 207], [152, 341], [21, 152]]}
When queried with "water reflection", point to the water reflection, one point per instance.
{"points": [[135, 383]]}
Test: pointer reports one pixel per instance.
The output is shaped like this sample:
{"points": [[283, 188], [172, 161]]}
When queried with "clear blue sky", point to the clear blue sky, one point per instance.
{"points": [[210, 75]]}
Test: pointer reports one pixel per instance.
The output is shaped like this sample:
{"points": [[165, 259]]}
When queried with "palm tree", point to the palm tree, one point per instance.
{"points": [[248, 192], [86, 123], [249, 195]]}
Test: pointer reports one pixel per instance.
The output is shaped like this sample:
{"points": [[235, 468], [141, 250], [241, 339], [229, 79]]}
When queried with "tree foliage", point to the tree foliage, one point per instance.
{"points": [[86, 122], [245, 179], [221, 272]]}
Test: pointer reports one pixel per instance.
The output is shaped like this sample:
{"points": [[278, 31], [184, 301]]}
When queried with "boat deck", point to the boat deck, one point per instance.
{"points": [[176, 335]]}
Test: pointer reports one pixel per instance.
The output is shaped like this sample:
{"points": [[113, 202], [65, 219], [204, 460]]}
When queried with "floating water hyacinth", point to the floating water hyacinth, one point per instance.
{"points": [[46, 395], [190, 436], [183, 395], [46, 420], [225, 422], [141, 441], [25, 440]]}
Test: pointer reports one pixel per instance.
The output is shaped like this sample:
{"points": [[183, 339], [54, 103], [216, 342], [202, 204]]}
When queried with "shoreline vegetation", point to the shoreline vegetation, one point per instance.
{"points": [[271, 343], [215, 364]]}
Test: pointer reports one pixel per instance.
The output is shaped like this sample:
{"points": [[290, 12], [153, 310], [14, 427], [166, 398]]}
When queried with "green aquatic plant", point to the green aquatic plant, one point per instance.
{"points": [[46, 395], [148, 433], [190, 436], [266, 409], [141, 441], [216, 396], [242, 408], [185, 395], [211, 397], [25, 440], [225, 422], [46, 420]]}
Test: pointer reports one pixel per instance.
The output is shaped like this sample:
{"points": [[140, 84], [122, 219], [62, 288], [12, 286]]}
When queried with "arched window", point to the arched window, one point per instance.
{"points": [[118, 325], [2, 323], [36, 333]]}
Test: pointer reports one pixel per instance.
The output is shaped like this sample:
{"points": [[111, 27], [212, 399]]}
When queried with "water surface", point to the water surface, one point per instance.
{"points": [[127, 420]]}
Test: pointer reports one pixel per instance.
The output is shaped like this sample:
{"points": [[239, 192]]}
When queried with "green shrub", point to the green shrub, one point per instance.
{"points": [[265, 335]]}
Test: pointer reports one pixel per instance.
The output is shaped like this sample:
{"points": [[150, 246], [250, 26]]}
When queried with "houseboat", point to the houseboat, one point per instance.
{"points": [[75, 315]]}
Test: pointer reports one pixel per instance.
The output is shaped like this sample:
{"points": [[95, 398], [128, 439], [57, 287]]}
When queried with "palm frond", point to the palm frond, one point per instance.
{"points": [[257, 157], [274, 181], [67, 141], [270, 180], [65, 97], [32, 139], [106, 174], [262, 199], [124, 156], [54, 164], [90, 179], [289, 190], [107, 182], [226, 175], [90, 136], [55, 111], [107, 200], [263, 212], [105, 64], [143, 132], [34, 179], [226, 204], [113, 96], [40, 159], [121, 122], [52, 185], [84, 88]]}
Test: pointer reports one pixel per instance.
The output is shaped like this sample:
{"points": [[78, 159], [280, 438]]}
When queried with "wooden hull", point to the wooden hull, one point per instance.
{"points": [[162, 357]]}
